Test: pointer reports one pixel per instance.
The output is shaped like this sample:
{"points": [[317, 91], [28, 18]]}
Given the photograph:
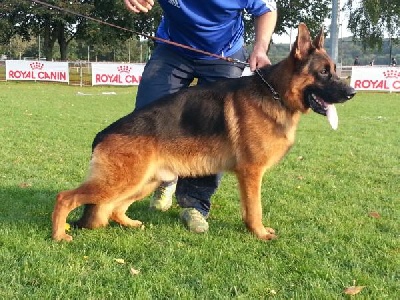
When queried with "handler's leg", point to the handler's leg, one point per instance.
{"points": [[165, 73], [194, 194]]}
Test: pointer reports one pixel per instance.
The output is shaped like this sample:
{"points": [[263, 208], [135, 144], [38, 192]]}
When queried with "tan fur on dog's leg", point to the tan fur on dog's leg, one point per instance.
{"points": [[64, 205], [109, 183], [119, 213], [250, 192], [91, 192]]}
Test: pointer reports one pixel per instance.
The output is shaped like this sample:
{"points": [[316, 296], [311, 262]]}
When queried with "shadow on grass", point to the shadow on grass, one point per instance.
{"points": [[28, 207], [26, 212]]}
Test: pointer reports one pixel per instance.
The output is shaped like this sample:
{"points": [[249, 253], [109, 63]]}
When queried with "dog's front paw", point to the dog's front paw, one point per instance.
{"points": [[270, 230], [267, 234], [269, 237]]}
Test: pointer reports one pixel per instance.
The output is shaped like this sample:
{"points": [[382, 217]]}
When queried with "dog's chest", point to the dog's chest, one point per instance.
{"points": [[277, 143]]}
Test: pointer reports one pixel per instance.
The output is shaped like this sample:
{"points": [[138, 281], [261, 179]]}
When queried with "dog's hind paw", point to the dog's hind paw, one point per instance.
{"points": [[124, 220], [133, 223], [62, 237]]}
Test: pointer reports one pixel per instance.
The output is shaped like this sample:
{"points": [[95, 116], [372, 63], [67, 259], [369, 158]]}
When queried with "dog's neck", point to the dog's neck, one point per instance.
{"points": [[275, 94], [271, 77], [274, 81], [278, 78]]}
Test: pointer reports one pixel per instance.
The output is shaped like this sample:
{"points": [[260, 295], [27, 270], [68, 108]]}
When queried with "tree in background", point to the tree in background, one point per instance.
{"points": [[371, 20], [312, 12], [26, 18], [290, 14], [104, 38], [29, 19]]}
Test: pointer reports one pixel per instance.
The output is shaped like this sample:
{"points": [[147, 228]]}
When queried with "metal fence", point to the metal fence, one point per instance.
{"points": [[80, 73]]}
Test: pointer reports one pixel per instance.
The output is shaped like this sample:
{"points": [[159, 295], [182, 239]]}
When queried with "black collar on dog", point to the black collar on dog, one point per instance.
{"points": [[275, 94]]}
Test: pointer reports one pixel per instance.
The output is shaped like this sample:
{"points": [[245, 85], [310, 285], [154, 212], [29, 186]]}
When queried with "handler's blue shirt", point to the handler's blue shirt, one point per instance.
{"points": [[214, 26]]}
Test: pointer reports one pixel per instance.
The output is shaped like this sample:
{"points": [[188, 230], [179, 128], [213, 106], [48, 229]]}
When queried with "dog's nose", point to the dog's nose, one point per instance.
{"points": [[350, 93]]}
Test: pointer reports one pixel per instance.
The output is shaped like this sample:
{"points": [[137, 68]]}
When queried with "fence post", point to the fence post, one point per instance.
{"points": [[80, 74]]}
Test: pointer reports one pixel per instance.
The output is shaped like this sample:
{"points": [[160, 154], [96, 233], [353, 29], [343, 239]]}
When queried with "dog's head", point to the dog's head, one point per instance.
{"points": [[316, 83]]}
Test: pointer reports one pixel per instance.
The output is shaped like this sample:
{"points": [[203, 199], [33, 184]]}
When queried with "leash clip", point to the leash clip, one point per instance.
{"points": [[276, 95], [237, 61]]}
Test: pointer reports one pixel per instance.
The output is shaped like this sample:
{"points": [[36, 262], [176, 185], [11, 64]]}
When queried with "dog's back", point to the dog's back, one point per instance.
{"points": [[194, 111]]}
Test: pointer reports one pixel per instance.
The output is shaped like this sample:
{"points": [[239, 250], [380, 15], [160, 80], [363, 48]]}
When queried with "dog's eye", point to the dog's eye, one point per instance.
{"points": [[324, 71]]}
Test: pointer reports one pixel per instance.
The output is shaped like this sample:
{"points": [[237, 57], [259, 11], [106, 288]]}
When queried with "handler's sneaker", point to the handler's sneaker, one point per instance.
{"points": [[194, 220], [162, 198]]}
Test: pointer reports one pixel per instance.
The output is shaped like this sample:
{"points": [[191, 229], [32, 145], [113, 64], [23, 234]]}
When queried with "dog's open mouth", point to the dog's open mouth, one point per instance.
{"points": [[318, 105]]}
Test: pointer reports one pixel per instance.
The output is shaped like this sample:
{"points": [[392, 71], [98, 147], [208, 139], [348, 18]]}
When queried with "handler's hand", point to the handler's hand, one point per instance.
{"points": [[138, 6], [258, 58]]}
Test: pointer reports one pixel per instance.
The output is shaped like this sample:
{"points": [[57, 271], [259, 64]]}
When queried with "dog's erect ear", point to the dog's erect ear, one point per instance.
{"points": [[319, 39], [302, 45]]}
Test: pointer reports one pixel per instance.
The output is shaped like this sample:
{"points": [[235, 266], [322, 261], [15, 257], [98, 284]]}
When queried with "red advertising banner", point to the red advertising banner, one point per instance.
{"points": [[116, 74], [370, 78], [37, 70]]}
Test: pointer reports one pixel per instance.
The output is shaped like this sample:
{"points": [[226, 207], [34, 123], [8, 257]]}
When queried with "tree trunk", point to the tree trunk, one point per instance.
{"points": [[49, 40], [62, 41]]}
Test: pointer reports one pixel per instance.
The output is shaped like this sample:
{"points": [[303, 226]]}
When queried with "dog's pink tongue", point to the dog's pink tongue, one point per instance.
{"points": [[332, 116]]}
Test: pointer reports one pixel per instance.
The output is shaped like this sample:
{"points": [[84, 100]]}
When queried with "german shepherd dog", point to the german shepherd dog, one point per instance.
{"points": [[243, 125]]}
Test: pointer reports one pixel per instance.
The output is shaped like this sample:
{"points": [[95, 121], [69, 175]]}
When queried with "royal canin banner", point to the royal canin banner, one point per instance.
{"points": [[116, 74], [37, 70], [369, 78]]}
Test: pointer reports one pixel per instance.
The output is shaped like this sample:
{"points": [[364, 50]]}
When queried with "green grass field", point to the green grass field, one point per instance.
{"points": [[319, 199]]}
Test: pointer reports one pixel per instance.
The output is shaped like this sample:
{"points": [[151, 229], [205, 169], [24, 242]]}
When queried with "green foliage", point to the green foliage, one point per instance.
{"points": [[63, 27], [140, 51], [311, 12], [348, 50], [318, 199], [291, 13], [371, 20]]}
